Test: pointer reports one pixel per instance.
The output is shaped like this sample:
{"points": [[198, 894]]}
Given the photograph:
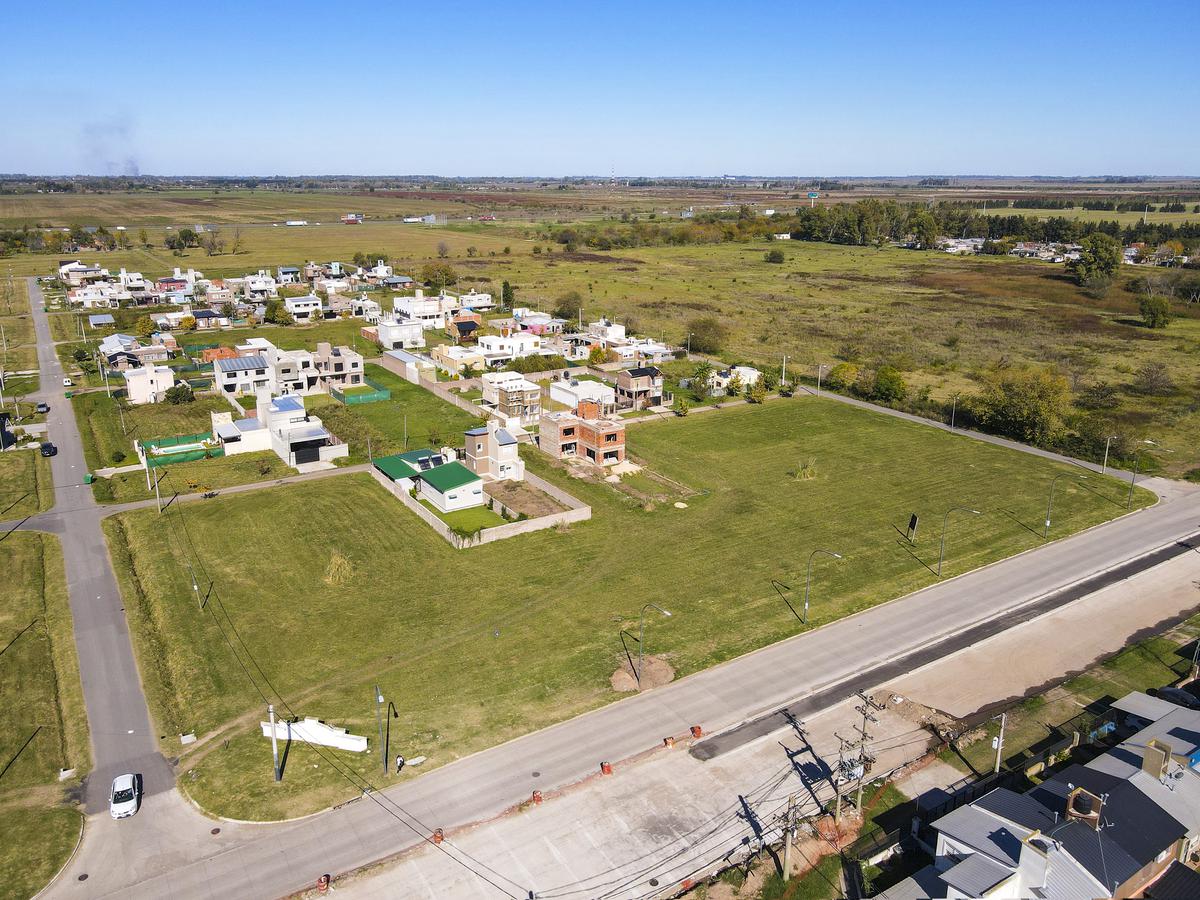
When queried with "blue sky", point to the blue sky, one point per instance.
{"points": [[651, 88]]}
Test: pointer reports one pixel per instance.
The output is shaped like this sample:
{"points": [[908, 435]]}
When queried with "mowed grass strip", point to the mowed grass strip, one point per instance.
{"points": [[43, 725], [26, 485], [481, 645]]}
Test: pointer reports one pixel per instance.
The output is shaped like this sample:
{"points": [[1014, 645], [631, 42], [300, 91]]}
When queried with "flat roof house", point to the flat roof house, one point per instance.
{"points": [[431, 312], [243, 374], [337, 367], [583, 434], [148, 384], [298, 438], [499, 349], [454, 359], [511, 397], [572, 392], [304, 309], [406, 334]]}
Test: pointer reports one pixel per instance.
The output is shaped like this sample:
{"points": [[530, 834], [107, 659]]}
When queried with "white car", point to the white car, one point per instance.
{"points": [[67, 382], [124, 796]]}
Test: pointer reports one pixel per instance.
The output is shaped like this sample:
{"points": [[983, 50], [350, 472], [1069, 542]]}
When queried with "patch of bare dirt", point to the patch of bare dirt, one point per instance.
{"points": [[656, 672], [523, 498]]}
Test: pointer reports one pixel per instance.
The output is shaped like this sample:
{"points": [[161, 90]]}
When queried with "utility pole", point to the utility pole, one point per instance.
{"points": [[953, 411], [789, 836], [783, 372], [1107, 443], [379, 720], [1000, 743], [867, 710], [821, 367], [274, 742]]}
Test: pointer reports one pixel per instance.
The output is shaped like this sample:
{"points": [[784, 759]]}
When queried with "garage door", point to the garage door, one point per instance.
{"points": [[307, 454]]}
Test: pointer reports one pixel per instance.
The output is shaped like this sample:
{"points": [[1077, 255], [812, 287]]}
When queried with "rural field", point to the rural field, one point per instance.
{"points": [[43, 727], [476, 650], [942, 321]]}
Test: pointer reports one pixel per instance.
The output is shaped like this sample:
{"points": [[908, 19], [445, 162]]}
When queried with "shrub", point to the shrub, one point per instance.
{"points": [[842, 376], [708, 334], [438, 274], [118, 457], [178, 394], [773, 256], [1154, 379], [889, 386], [1156, 311], [1027, 404]]}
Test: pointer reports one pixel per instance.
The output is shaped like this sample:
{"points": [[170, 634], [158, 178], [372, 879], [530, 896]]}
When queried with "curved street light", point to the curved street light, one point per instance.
{"points": [[642, 637], [1137, 462], [1050, 501], [808, 578], [946, 522]]}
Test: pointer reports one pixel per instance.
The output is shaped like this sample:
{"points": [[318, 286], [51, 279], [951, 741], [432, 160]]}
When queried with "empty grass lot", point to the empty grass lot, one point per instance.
{"points": [[43, 727], [26, 486], [414, 413], [476, 650]]}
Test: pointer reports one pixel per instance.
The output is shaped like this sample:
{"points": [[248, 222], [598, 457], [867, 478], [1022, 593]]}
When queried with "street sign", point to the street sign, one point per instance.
{"points": [[813, 195], [912, 529]]}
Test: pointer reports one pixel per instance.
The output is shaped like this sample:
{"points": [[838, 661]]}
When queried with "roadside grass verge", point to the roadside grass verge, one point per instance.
{"points": [[1149, 663], [477, 650], [26, 485], [43, 725], [192, 477]]}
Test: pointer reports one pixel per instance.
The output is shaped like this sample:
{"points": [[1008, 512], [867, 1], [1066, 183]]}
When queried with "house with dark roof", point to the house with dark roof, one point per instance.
{"points": [[1124, 825], [641, 388]]}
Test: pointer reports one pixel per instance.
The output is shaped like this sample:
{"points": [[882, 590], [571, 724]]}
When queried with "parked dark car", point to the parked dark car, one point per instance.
{"points": [[1178, 696], [42, 408], [48, 449]]}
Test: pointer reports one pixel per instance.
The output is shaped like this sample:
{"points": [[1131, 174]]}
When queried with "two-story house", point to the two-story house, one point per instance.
{"points": [[337, 367], [641, 388], [511, 397], [583, 434], [492, 453]]}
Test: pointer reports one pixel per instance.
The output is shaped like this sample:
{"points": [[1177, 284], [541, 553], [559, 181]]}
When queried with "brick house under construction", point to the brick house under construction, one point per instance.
{"points": [[583, 434]]}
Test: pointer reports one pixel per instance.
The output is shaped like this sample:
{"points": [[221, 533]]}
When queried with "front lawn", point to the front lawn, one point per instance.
{"points": [[193, 477], [476, 649], [467, 521]]}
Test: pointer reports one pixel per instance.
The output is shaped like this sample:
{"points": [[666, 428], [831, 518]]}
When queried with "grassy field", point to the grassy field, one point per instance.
{"points": [[26, 486], [426, 420], [43, 727], [497, 650], [1099, 215], [193, 477]]}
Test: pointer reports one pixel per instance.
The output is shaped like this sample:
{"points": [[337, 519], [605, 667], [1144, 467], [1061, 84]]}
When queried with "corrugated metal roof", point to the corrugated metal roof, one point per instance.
{"points": [[1144, 706], [982, 831], [394, 467], [976, 875], [1177, 883], [448, 477]]}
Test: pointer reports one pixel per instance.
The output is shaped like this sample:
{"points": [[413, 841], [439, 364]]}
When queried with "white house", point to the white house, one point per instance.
{"points": [[571, 393], [498, 349], [259, 286], [607, 331], [407, 334], [451, 487], [512, 398], [363, 307], [380, 270], [287, 274], [304, 309], [492, 453], [133, 281], [148, 384], [245, 435], [745, 376], [473, 299], [299, 439], [431, 312]]}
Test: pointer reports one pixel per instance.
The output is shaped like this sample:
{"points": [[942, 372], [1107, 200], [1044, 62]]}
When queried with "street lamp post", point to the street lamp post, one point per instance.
{"points": [[379, 721], [642, 637], [1137, 462], [689, 345], [1107, 443], [1050, 500], [953, 410], [808, 578], [820, 369], [945, 523]]}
